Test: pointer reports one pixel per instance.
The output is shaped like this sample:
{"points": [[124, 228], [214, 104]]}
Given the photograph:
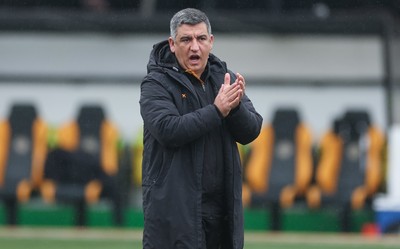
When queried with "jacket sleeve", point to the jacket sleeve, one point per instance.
{"points": [[163, 120], [244, 122]]}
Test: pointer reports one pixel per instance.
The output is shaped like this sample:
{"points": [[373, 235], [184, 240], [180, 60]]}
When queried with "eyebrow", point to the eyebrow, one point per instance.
{"points": [[185, 37], [191, 36]]}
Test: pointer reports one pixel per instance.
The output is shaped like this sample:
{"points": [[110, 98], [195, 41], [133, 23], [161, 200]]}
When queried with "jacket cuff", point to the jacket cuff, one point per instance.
{"points": [[219, 113], [234, 110]]}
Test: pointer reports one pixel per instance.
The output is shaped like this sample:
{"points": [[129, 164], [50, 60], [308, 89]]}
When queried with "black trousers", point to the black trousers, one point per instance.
{"points": [[213, 231]]}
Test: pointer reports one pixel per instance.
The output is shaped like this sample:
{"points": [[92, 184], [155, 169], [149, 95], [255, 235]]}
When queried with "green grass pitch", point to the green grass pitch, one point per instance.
{"points": [[74, 238]]}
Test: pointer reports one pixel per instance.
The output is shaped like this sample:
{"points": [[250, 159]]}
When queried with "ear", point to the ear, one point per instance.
{"points": [[211, 40], [171, 44]]}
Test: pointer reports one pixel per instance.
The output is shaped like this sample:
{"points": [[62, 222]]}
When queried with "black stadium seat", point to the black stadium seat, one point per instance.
{"points": [[279, 167], [85, 166], [23, 148]]}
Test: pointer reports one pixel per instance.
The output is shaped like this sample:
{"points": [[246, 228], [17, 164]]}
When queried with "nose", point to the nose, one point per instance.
{"points": [[195, 45]]}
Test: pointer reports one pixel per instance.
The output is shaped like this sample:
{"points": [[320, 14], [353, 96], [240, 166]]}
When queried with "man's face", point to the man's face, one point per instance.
{"points": [[192, 46]]}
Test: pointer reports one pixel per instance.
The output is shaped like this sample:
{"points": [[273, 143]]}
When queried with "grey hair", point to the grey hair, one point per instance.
{"points": [[188, 16]]}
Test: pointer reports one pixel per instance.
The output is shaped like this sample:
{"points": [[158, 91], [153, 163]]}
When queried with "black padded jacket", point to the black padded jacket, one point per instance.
{"points": [[174, 126]]}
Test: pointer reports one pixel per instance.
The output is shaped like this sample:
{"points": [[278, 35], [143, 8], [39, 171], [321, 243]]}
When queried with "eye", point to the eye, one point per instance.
{"points": [[185, 39]]}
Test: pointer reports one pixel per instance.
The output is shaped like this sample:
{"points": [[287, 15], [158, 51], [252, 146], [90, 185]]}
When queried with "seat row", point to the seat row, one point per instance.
{"points": [[85, 163], [343, 171]]}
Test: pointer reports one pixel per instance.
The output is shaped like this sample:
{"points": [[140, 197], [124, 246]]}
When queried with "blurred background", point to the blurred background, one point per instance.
{"points": [[70, 139]]}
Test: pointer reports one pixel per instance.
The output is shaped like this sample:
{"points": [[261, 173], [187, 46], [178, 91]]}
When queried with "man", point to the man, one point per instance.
{"points": [[195, 111]]}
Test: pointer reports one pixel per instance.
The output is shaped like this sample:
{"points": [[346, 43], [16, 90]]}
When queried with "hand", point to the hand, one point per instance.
{"points": [[229, 95]]}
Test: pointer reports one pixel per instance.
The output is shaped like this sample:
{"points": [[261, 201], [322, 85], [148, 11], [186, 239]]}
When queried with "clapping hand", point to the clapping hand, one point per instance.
{"points": [[229, 95]]}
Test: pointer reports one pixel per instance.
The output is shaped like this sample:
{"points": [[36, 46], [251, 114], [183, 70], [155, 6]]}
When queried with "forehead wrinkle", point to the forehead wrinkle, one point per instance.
{"points": [[189, 30]]}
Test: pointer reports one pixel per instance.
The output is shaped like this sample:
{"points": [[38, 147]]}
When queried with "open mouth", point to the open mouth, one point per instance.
{"points": [[194, 58]]}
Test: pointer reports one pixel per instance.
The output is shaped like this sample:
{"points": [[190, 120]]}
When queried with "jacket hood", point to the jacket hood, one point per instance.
{"points": [[162, 57]]}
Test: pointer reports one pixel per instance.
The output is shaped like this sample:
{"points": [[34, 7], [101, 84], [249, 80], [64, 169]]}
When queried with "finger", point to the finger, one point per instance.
{"points": [[227, 79], [230, 90], [240, 78], [235, 102], [233, 89], [242, 83], [221, 89], [237, 94]]}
